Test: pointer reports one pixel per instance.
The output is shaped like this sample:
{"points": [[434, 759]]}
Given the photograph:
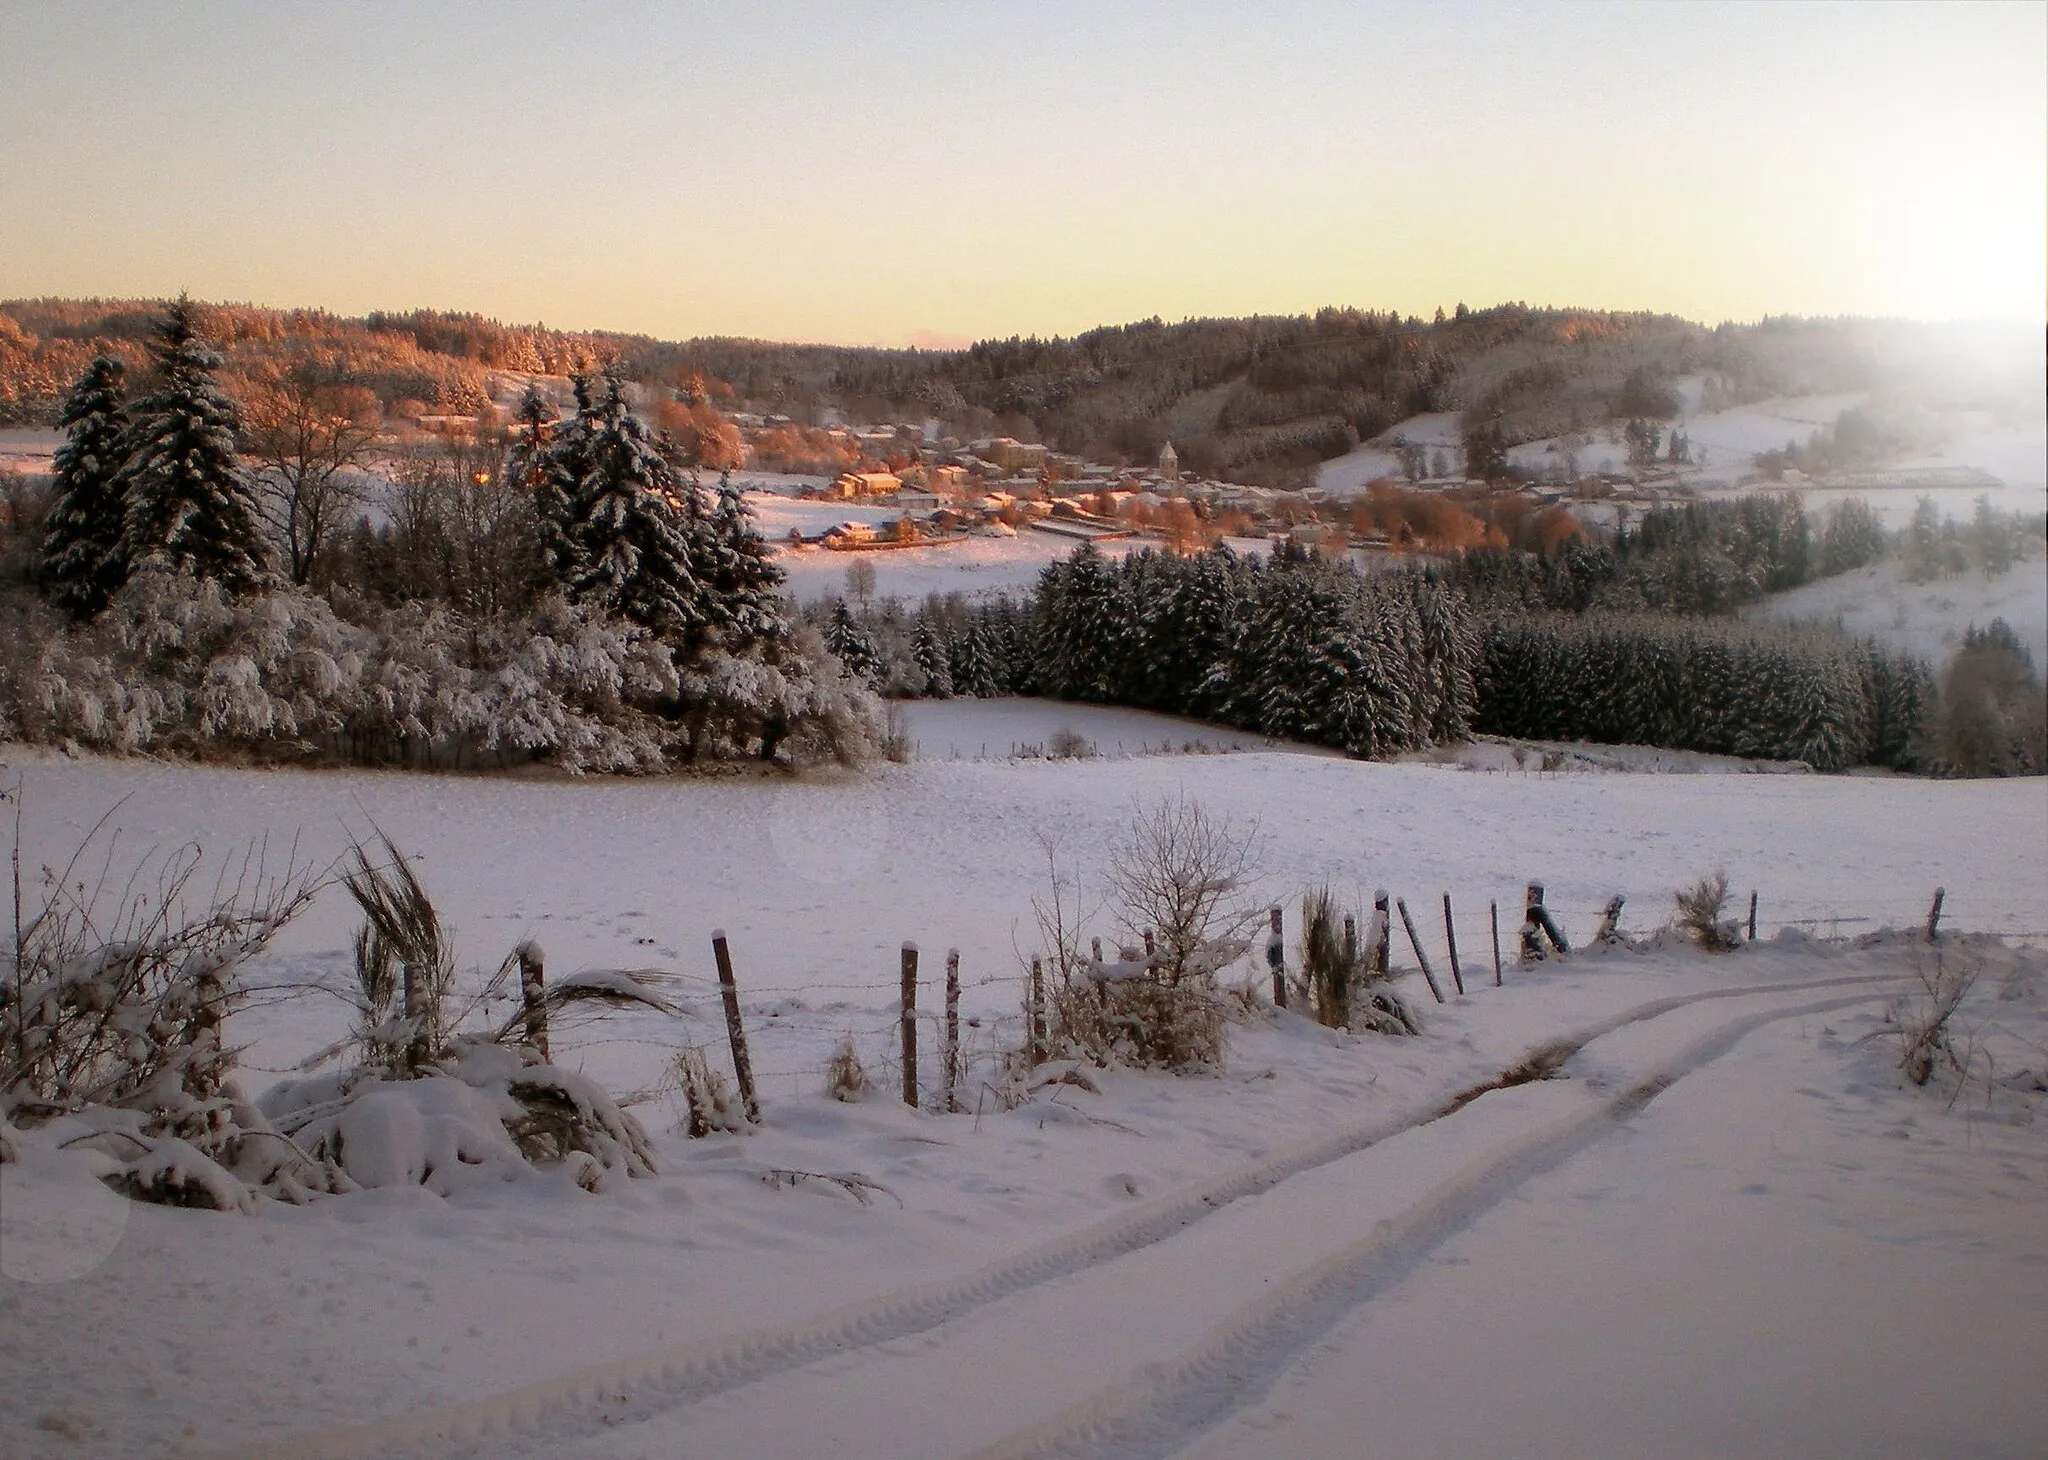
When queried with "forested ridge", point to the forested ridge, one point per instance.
{"points": [[1260, 400]]}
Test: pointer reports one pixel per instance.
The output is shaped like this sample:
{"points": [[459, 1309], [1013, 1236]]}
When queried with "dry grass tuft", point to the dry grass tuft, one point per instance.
{"points": [[1698, 911]]}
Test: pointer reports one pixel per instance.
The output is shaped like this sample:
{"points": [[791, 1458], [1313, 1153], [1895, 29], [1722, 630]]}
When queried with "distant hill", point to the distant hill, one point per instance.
{"points": [[1261, 400]]}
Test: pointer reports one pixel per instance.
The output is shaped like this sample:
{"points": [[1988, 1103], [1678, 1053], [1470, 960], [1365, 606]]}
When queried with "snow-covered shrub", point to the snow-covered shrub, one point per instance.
{"points": [[175, 663], [426, 1105], [1175, 881], [484, 1112], [846, 1078], [113, 1000], [786, 698], [708, 1098], [1920, 1020]]}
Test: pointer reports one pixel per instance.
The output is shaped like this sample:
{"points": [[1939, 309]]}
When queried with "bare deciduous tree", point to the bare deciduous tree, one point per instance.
{"points": [[308, 430], [1183, 876]]}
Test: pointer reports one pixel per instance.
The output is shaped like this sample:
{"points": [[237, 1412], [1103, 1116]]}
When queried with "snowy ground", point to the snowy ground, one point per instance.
{"points": [[1782, 1252], [970, 729], [1928, 619]]}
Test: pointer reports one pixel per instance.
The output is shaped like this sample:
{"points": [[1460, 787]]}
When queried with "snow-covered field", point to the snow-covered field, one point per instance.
{"points": [[1927, 619], [1727, 1230]]}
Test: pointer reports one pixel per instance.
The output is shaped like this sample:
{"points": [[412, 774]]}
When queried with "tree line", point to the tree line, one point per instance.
{"points": [[1564, 648], [608, 611]]}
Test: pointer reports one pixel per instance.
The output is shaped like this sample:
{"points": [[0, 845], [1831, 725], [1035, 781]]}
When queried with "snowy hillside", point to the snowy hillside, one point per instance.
{"points": [[1728, 1194], [2011, 459], [1927, 619]]}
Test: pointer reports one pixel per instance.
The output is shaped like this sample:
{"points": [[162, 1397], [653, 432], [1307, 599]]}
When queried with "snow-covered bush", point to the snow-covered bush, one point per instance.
{"points": [[1176, 884], [113, 997], [175, 663], [483, 1112], [425, 1105], [846, 1078], [709, 1100], [1920, 1021]]}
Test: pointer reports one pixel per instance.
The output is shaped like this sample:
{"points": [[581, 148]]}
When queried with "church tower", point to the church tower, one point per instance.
{"points": [[1169, 463]]}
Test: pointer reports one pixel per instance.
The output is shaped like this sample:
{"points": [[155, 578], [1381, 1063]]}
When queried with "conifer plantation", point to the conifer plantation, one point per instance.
{"points": [[1629, 642]]}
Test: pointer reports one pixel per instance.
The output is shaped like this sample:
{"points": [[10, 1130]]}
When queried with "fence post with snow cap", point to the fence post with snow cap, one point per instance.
{"points": [[1414, 942], [1537, 926], [533, 997], [1276, 958], [909, 1018], [729, 990]]}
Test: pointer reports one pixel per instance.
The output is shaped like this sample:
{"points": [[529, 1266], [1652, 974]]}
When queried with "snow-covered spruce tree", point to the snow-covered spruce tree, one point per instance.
{"points": [[1074, 656], [83, 564], [187, 503], [632, 527], [545, 465], [551, 459], [849, 643], [744, 584], [934, 658], [973, 665]]}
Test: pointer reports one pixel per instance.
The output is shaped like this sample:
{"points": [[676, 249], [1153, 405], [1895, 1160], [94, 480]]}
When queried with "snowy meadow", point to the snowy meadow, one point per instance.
{"points": [[1715, 1213]]}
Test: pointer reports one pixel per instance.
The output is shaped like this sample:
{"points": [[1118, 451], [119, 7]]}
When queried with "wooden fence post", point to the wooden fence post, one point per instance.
{"points": [[1382, 951], [1276, 958], [1537, 925], [533, 995], [1934, 914], [729, 989], [953, 1030], [1752, 914], [1451, 941], [1038, 1029], [1493, 916], [1416, 943], [1532, 932], [910, 1025]]}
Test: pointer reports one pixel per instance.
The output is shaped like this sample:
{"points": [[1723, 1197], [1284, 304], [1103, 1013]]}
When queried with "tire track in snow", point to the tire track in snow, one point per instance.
{"points": [[1163, 1408], [597, 1397]]}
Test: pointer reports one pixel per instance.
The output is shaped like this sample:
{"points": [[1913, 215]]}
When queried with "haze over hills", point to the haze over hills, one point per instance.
{"points": [[1263, 400]]}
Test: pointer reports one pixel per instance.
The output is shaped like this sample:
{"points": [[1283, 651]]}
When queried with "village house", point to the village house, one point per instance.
{"points": [[854, 484]]}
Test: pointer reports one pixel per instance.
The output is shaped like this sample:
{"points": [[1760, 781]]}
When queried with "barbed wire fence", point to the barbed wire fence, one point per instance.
{"points": [[948, 1053]]}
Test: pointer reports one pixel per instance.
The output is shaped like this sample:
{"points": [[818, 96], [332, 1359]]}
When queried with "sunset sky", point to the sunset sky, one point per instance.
{"points": [[937, 173]]}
